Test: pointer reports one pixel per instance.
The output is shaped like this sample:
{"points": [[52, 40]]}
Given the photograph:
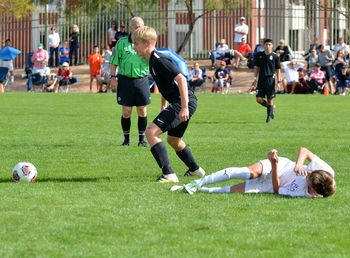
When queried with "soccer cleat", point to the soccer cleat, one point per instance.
{"points": [[273, 110], [177, 188], [199, 172], [169, 178], [125, 143], [142, 144]]}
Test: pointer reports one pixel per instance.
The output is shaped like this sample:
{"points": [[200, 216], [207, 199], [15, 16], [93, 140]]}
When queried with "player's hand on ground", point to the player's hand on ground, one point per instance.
{"points": [[272, 156], [184, 114]]}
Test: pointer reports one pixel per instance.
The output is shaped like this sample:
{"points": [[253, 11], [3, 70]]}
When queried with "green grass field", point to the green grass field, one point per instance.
{"points": [[95, 198]]}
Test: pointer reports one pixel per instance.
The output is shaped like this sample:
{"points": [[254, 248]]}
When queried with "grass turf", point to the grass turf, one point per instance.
{"points": [[95, 198]]}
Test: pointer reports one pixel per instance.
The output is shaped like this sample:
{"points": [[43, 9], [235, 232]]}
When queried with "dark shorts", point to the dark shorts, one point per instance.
{"points": [[168, 120], [133, 92], [328, 71], [266, 87]]}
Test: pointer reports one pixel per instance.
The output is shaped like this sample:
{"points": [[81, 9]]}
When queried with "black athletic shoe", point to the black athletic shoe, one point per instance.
{"points": [[125, 143], [142, 144]]}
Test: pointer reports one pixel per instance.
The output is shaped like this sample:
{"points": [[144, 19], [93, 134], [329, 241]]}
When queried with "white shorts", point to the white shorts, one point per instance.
{"points": [[8, 64], [263, 183]]}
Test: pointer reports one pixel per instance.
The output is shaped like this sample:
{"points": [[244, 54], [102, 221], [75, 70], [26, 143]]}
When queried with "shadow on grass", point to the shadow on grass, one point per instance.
{"points": [[66, 180]]}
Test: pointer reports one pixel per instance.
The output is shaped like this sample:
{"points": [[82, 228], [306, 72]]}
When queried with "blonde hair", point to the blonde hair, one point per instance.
{"points": [[144, 34], [75, 26]]}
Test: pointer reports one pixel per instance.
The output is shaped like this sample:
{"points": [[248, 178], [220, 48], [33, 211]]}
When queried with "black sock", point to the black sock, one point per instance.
{"points": [[269, 109], [161, 155], [264, 104], [126, 124], [186, 156], [142, 124]]}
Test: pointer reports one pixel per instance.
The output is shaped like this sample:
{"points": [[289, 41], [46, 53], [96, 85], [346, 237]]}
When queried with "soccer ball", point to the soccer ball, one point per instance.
{"points": [[24, 172]]}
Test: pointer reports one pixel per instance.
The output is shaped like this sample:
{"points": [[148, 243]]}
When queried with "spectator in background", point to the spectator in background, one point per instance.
{"points": [[291, 82], [312, 60], [341, 46], [196, 77], [339, 62], [64, 52], [316, 79], [259, 47], [325, 57], [283, 51], [121, 32], [303, 81], [95, 62], [343, 80], [221, 76], [241, 31], [243, 49], [111, 35], [40, 57], [223, 52], [315, 45], [8, 63], [54, 42], [74, 44]]}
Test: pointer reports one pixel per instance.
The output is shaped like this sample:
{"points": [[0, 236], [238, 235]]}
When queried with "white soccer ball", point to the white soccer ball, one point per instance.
{"points": [[24, 172]]}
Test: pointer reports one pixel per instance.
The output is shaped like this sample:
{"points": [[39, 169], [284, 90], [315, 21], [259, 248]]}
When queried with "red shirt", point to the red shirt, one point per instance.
{"points": [[95, 61], [244, 49]]}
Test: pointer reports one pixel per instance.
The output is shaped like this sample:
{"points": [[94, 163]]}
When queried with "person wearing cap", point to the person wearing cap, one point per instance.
{"points": [[196, 77], [266, 68], [133, 84], [121, 32], [316, 79], [40, 57], [241, 31], [221, 76], [54, 42]]}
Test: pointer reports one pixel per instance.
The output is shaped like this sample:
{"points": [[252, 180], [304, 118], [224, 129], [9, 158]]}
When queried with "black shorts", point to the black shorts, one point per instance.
{"points": [[266, 87], [168, 120], [328, 72], [133, 92]]}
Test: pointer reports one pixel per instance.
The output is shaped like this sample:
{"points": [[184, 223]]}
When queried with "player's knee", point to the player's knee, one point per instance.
{"points": [[259, 100], [173, 141], [142, 111]]}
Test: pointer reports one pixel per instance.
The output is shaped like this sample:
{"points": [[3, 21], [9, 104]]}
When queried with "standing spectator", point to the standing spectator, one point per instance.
{"points": [[241, 31], [64, 52], [133, 83], [221, 76], [54, 42], [74, 44], [243, 49], [8, 63], [175, 117], [325, 57], [312, 60], [341, 46], [283, 51], [111, 35], [291, 82], [196, 77], [95, 62], [40, 57], [266, 66], [121, 32]]}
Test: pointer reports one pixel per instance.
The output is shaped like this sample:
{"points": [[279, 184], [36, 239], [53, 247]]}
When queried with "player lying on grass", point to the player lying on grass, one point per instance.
{"points": [[273, 175]]}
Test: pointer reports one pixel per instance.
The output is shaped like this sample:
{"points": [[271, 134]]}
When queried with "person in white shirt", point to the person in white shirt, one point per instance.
{"points": [[291, 70], [54, 43], [241, 31], [196, 79], [273, 175], [341, 46]]}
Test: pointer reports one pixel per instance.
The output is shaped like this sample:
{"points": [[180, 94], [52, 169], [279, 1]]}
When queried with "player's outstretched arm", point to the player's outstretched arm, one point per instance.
{"points": [[273, 157], [182, 84], [303, 154]]}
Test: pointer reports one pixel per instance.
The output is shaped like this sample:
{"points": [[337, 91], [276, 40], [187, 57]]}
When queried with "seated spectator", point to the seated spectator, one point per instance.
{"points": [[39, 76], [259, 47], [104, 80], [316, 79], [339, 62], [196, 79], [343, 80], [325, 58], [341, 46], [64, 53], [291, 81], [243, 49], [303, 82], [221, 76], [312, 60], [64, 77], [40, 56], [283, 51], [222, 51]]}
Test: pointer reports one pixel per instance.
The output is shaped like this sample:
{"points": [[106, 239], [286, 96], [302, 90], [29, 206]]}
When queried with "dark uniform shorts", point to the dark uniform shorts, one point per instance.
{"points": [[266, 87], [168, 120], [133, 91]]}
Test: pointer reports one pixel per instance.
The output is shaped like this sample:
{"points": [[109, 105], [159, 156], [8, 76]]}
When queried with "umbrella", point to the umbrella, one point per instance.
{"points": [[9, 53]]}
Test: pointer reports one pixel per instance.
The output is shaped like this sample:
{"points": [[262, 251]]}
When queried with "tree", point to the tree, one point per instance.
{"points": [[20, 8]]}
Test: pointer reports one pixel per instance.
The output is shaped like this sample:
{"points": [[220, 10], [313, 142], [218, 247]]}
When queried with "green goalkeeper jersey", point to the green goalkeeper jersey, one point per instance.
{"points": [[129, 63]]}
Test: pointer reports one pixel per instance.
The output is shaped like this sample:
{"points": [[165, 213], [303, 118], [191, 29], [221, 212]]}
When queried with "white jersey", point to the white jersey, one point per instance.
{"points": [[290, 183]]}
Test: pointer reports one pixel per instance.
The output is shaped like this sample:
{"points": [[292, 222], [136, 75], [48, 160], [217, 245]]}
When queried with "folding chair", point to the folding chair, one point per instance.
{"points": [[65, 85], [36, 82], [4, 77]]}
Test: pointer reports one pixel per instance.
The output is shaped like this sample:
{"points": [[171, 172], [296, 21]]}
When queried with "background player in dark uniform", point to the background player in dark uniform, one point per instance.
{"points": [[266, 66], [174, 118], [133, 84]]}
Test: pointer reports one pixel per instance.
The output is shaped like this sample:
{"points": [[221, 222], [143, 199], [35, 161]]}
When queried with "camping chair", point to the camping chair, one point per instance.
{"points": [[36, 82], [4, 77], [64, 85]]}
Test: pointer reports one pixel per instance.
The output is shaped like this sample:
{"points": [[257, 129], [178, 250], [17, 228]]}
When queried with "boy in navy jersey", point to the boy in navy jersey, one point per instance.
{"points": [[266, 66], [173, 118]]}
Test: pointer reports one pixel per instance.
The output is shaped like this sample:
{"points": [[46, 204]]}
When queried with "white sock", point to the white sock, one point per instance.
{"points": [[226, 174], [224, 189]]}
